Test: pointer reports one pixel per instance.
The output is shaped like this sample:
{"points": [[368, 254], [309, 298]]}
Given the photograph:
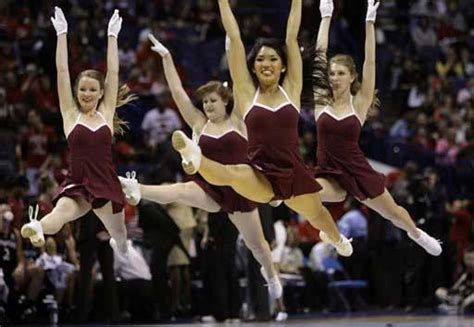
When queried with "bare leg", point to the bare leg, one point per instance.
{"points": [[310, 207], [245, 180], [188, 193], [248, 224], [386, 206], [66, 210], [332, 191], [114, 223]]}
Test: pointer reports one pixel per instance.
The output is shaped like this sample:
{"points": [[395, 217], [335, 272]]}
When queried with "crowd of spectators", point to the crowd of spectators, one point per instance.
{"points": [[423, 129]]}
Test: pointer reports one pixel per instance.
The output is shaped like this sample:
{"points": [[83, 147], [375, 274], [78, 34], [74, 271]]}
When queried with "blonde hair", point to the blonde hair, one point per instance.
{"points": [[123, 96], [348, 62]]}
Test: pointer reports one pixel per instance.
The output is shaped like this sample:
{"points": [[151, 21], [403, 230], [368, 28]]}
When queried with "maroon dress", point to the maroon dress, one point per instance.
{"points": [[228, 148], [339, 156], [273, 149], [91, 173]]}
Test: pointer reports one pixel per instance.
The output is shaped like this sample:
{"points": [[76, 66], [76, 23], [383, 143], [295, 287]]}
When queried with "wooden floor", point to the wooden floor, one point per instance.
{"points": [[374, 321]]}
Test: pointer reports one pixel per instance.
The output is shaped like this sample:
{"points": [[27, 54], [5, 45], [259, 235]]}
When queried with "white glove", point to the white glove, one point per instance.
{"points": [[59, 21], [115, 24], [326, 7], [371, 10], [158, 47]]}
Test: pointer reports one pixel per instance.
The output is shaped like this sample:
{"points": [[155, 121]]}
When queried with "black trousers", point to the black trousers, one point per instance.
{"points": [[136, 296], [159, 273], [221, 280], [90, 248]]}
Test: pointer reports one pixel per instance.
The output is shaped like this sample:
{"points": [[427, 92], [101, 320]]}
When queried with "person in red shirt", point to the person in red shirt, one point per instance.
{"points": [[37, 142]]}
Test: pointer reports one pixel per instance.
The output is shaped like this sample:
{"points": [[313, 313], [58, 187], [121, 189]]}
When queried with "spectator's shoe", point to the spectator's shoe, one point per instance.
{"points": [[130, 188], [275, 203], [343, 246], [275, 290], [190, 152], [33, 230], [119, 248], [427, 242]]}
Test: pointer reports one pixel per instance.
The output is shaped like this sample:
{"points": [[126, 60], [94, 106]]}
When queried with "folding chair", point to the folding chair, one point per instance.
{"points": [[333, 265]]}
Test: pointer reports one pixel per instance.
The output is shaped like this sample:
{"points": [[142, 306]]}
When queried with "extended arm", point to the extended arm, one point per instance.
{"points": [[190, 113], [293, 82], [326, 8], [112, 78], [66, 99], [243, 84], [366, 93]]}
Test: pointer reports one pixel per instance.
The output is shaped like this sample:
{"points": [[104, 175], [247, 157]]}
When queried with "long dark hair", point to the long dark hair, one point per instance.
{"points": [[123, 96], [316, 90], [273, 43]]}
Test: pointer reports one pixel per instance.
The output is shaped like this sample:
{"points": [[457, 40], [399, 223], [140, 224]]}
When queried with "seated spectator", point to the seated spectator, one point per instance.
{"points": [[59, 272], [353, 225], [158, 124], [292, 259], [447, 148], [459, 298]]}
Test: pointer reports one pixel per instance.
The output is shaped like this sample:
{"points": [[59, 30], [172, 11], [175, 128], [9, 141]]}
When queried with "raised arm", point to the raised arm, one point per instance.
{"points": [[366, 94], [112, 77], [293, 82], [320, 88], [326, 7], [243, 84], [66, 99], [192, 116], [236, 116]]}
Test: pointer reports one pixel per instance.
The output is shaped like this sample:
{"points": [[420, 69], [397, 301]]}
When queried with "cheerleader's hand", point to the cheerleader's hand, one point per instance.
{"points": [[372, 7], [326, 7], [157, 47], [115, 24], [59, 21]]}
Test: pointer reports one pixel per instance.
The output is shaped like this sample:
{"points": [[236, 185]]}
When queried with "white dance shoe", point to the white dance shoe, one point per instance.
{"points": [[130, 188], [427, 242], [188, 149], [343, 247], [275, 290], [33, 230]]}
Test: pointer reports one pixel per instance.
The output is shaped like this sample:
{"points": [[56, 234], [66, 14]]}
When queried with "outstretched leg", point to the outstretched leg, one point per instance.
{"points": [[188, 193], [249, 225], [245, 180], [310, 207], [115, 225], [386, 206], [67, 209]]}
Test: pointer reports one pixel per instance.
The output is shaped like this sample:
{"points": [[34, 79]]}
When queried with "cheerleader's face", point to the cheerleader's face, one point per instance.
{"points": [[89, 93], [340, 78], [268, 66], [214, 107]]}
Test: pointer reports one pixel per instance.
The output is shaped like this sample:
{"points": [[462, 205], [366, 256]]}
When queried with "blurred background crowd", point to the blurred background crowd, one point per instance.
{"points": [[185, 263]]}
